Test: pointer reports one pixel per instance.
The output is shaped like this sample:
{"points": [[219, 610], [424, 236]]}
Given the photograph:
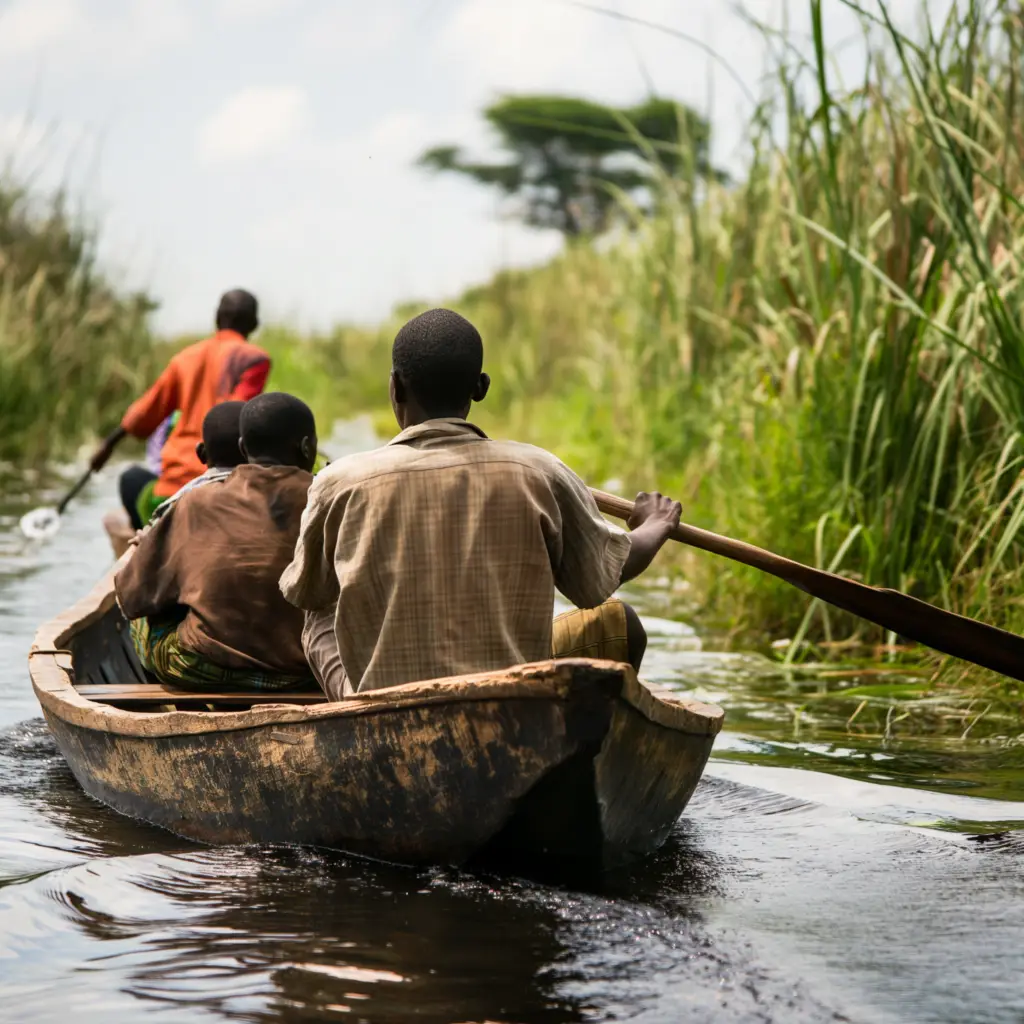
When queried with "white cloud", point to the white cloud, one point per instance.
{"points": [[354, 29], [144, 27], [398, 138], [510, 44], [28, 25], [70, 32], [242, 10], [258, 121]]}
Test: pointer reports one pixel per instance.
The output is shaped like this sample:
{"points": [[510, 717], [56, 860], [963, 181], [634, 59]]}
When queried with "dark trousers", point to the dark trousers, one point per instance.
{"points": [[133, 479]]}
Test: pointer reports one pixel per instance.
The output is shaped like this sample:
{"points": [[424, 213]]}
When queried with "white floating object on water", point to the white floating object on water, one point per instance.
{"points": [[40, 523]]}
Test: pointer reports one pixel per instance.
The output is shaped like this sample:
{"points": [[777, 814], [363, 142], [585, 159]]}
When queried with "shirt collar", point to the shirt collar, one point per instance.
{"points": [[447, 427], [228, 335]]}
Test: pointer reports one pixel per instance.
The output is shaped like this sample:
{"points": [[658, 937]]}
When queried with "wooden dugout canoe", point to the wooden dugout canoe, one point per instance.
{"points": [[119, 531], [556, 761]]}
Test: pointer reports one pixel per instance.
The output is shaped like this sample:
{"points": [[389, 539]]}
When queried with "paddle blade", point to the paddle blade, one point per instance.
{"points": [[40, 523]]}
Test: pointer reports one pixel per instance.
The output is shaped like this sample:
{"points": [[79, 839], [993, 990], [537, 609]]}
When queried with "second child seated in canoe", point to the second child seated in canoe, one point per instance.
{"points": [[201, 590], [439, 554], [219, 451]]}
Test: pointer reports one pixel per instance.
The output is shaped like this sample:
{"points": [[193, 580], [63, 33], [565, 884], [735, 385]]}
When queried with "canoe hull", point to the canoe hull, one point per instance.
{"points": [[524, 778], [119, 531], [561, 761]]}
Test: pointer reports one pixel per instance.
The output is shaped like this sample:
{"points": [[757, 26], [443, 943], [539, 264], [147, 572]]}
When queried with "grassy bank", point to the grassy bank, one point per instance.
{"points": [[73, 350], [826, 359]]}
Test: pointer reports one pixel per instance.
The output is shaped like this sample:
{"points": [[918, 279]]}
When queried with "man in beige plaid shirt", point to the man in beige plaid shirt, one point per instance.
{"points": [[439, 554]]}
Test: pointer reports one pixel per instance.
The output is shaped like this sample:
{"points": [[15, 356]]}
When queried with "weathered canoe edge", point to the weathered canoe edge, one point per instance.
{"points": [[51, 670]]}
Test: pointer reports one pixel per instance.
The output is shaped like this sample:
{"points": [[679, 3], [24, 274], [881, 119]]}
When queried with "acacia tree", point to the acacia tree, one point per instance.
{"points": [[568, 158]]}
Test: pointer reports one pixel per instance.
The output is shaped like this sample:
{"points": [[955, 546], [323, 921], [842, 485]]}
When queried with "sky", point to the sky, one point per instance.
{"points": [[270, 144]]}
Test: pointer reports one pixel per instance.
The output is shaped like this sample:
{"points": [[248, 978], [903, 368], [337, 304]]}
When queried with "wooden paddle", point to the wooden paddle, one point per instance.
{"points": [[943, 631], [79, 484]]}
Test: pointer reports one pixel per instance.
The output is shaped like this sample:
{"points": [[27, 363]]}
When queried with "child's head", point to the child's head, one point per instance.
{"points": [[436, 368], [219, 446], [278, 430]]}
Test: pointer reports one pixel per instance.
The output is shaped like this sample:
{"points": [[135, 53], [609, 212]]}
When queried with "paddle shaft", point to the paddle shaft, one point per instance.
{"points": [[82, 481], [906, 616]]}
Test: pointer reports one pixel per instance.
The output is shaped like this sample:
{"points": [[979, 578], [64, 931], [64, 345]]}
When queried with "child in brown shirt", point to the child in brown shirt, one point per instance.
{"points": [[202, 590]]}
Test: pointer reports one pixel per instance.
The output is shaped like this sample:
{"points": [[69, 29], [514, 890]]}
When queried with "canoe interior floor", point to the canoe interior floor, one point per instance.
{"points": [[107, 670]]}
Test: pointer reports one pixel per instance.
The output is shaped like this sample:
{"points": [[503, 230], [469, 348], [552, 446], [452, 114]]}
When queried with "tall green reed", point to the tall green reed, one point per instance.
{"points": [[73, 350], [827, 358]]}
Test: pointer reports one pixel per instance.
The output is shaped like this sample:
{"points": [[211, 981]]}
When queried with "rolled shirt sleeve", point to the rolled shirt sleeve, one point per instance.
{"points": [[146, 414], [594, 551]]}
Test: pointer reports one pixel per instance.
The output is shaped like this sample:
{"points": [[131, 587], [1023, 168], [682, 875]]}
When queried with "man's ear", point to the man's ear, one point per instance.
{"points": [[241, 448], [399, 393], [201, 453], [483, 385], [308, 448]]}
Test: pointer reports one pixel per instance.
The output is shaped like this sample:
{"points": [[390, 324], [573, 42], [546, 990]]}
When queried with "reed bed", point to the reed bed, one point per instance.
{"points": [[73, 351], [826, 358]]}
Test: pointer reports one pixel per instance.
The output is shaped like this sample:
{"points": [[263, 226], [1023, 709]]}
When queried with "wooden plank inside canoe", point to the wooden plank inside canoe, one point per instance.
{"points": [[154, 693]]}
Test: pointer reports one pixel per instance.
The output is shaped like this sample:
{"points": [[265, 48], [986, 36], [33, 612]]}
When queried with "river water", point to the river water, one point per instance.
{"points": [[824, 871]]}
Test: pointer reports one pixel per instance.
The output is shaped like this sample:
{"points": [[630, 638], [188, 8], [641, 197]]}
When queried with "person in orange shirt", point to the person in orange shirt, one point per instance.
{"points": [[221, 368]]}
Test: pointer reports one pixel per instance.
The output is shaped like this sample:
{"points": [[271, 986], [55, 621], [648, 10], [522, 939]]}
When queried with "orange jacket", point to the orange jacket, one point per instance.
{"points": [[222, 368]]}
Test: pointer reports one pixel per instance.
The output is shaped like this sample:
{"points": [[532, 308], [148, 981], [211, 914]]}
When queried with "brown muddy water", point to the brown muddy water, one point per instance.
{"points": [[822, 872]]}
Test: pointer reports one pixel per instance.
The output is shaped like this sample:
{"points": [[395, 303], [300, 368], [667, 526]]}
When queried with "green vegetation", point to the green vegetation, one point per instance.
{"points": [[339, 374], [825, 358], [73, 351]]}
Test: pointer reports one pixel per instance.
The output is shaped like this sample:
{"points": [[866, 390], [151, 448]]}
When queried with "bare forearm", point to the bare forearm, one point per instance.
{"points": [[645, 543]]}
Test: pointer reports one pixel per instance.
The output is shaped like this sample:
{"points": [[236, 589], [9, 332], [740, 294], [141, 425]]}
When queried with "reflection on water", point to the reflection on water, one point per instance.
{"points": [[824, 871], [871, 724]]}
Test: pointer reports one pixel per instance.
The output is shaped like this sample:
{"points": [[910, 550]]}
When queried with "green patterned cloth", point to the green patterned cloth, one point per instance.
{"points": [[161, 653], [147, 502]]}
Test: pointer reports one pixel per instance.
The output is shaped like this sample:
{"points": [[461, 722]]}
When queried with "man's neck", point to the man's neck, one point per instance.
{"points": [[414, 417], [269, 463]]}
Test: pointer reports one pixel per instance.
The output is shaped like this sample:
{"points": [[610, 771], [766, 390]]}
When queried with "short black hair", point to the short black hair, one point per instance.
{"points": [[221, 430], [273, 425], [238, 310], [439, 356]]}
